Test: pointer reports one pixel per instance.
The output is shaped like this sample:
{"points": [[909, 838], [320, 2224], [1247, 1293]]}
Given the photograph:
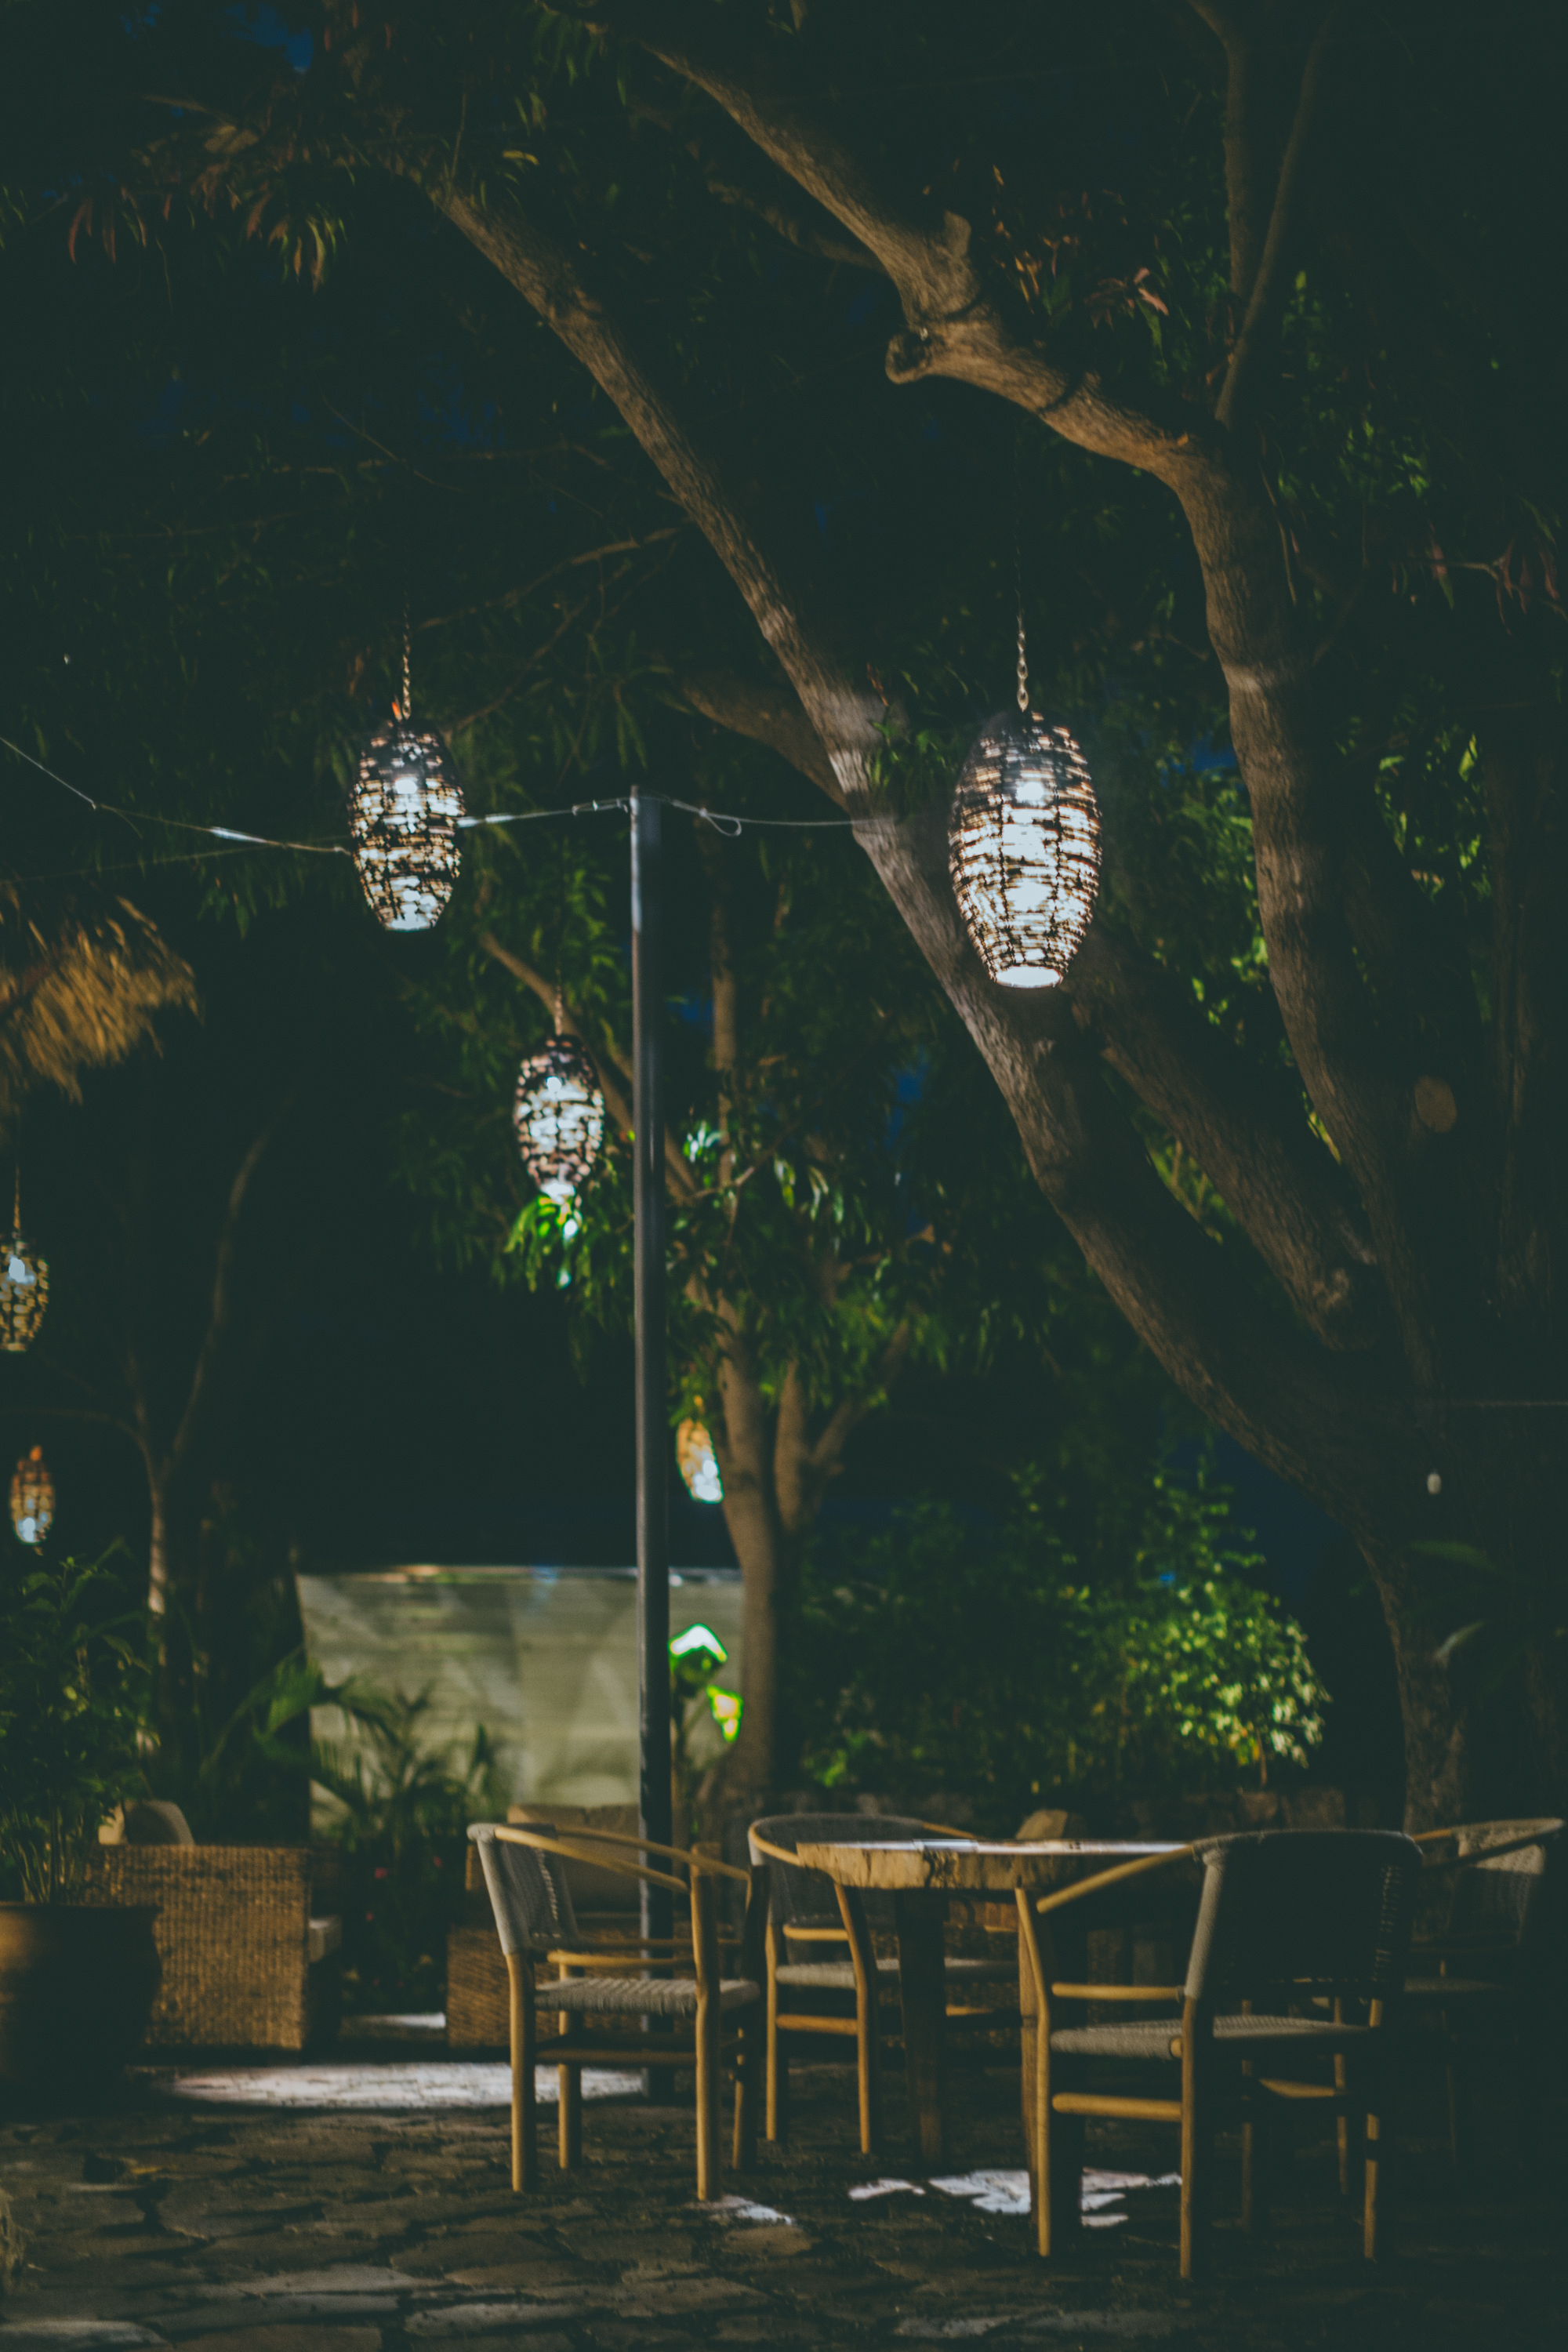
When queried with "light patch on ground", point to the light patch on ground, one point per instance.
{"points": [[429, 2026], [75, 2335], [1077, 2324], [864, 2189], [396, 2088], [486, 2318], [1008, 2192], [741, 2208], [990, 2192]]}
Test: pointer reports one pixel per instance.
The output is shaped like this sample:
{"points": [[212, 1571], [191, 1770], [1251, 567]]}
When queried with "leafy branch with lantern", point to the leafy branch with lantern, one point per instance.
{"points": [[811, 1264]]}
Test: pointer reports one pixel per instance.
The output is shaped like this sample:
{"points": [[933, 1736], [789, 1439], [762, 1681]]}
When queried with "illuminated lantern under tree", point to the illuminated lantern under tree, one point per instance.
{"points": [[404, 809], [559, 1114], [1023, 845], [32, 1498], [698, 1463], [24, 1286]]}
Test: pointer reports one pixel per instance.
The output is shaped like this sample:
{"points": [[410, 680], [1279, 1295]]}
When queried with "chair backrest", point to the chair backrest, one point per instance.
{"points": [[799, 1897], [1498, 1896], [528, 1892], [595, 1888], [1292, 1912]]}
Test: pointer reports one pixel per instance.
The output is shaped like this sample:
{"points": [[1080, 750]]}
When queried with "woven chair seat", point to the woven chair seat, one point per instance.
{"points": [[838, 1975], [829, 1976], [1436, 1990], [638, 1996], [1165, 2040]]}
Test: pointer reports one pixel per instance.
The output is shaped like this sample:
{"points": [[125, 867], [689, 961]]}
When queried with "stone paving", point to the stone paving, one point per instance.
{"points": [[339, 2216]]}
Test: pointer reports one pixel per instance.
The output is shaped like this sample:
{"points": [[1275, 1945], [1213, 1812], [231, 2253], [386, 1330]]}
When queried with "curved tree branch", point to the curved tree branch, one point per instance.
{"points": [[1277, 1181], [1268, 283]]}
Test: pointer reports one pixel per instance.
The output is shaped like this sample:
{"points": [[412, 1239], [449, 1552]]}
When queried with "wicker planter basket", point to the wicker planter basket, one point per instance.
{"points": [[246, 1965]]}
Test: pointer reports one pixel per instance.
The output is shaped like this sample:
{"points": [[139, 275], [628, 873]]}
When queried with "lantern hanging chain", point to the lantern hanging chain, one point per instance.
{"points": [[408, 662], [560, 923], [1019, 590]]}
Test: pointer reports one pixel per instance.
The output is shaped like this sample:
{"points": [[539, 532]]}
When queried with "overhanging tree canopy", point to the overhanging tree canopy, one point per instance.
{"points": [[1286, 385]]}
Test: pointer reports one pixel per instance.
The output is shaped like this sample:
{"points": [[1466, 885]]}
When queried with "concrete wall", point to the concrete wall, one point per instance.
{"points": [[545, 1658]]}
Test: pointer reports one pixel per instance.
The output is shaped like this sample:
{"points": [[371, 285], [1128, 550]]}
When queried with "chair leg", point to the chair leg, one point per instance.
{"points": [[1378, 2132], [778, 2079], [1369, 2206], [869, 2070], [709, 2146], [1342, 2121], [1460, 2134], [1059, 2159], [1256, 2155], [571, 2082], [524, 2122], [1043, 2135], [1197, 2144], [747, 2069]]}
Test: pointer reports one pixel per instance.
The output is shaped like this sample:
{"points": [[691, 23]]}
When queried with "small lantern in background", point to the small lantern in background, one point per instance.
{"points": [[698, 1463], [404, 809], [559, 1114], [32, 1498], [24, 1286]]}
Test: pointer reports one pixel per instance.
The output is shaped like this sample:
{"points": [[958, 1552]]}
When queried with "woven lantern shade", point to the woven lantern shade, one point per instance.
{"points": [[1024, 849], [559, 1114], [32, 1498], [24, 1286], [698, 1463], [404, 812]]}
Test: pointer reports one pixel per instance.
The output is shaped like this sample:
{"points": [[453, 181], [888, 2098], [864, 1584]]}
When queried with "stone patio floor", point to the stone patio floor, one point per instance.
{"points": [[362, 2204]]}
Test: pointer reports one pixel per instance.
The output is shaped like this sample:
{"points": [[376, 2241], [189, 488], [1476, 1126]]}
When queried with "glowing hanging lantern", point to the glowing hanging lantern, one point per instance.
{"points": [[1023, 845], [559, 1114], [698, 1463], [23, 1286], [32, 1498], [405, 810]]}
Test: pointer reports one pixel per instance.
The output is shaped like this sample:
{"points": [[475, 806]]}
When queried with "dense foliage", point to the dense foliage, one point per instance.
{"points": [[74, 1674], [986, 1666], [398, 1813]]}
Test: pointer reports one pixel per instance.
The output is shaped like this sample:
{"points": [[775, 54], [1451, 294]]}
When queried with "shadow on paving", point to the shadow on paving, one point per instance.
{"points": [[163, 2220]]}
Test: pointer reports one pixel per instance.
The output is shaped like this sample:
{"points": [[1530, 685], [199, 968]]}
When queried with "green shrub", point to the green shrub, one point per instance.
{"points": [[399, 1814], [986, 1666], [75, 1688]]}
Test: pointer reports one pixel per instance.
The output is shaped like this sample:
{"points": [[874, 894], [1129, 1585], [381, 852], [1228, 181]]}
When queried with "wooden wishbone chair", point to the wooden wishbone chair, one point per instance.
{"points": [[620, 1985], [800, 1913], [1481, 1980], [1288, 1918]]}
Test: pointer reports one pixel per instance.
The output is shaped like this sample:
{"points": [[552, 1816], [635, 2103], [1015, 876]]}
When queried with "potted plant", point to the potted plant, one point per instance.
{"points": [[76, 1979]]}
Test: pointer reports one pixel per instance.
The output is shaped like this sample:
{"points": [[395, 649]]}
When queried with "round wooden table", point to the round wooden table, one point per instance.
{"points": [[920, 1875]]}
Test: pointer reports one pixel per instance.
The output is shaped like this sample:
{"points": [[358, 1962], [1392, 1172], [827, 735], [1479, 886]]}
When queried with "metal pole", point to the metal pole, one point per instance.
{"points": [[652, 1415]]}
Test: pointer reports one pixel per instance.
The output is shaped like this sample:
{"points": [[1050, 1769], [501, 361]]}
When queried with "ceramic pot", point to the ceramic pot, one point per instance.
{"points": [[78, 1981]]}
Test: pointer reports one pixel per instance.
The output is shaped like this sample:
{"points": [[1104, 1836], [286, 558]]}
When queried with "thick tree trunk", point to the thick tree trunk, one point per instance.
{"points": [[776, 1471], [744, 1445]]}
